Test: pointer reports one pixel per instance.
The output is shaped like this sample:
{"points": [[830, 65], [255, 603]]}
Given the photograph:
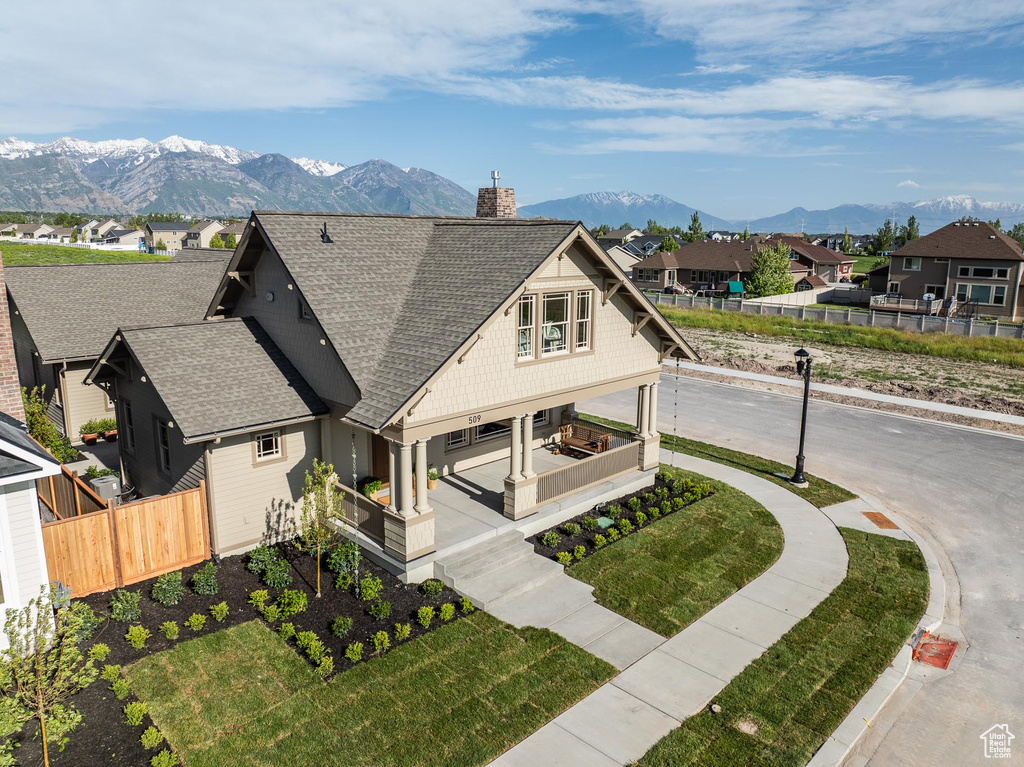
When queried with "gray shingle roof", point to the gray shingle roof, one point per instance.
{"points": [[243, 377], [168, 226], [13, 432], [73, 310], [398, 295]]}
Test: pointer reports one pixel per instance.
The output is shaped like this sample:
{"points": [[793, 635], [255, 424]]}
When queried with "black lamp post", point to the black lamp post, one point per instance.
{"points": [[803, 367]]}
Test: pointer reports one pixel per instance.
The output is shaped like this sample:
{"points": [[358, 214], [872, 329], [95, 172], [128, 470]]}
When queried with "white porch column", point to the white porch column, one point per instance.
{"points": [[645, 410], [652, 416], [516, 459], [422, 506], [528, 445], [392, 476], [405, 472], [639, 410]]}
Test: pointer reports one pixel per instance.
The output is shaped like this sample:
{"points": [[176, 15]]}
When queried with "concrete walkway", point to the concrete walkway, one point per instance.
{"points": [[848, 391], [618, 723]]}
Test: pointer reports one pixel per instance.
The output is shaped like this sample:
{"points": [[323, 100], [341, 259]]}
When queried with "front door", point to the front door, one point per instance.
{"points": [[379, 459]]}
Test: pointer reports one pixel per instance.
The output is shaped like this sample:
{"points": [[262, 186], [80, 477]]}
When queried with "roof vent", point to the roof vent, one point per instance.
{"points": [[991, 236], [956, 223], [975, 223], [324, 237]]}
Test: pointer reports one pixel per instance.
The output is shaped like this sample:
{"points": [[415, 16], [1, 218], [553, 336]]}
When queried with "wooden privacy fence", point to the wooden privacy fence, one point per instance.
{"points": [[66, 495], [125, 544]]}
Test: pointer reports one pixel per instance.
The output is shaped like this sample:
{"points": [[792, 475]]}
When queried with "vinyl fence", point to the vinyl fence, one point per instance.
{"points": [[850, 316], [125, 544]]}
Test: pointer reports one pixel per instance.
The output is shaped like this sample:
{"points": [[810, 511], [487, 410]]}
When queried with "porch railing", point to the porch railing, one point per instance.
{"points": [[586, 472], [620, 437], [363, 513]]}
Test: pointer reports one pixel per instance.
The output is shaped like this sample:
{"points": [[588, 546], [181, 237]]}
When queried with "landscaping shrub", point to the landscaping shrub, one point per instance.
{"points": [[344, 558], [259, 558], [164, 759], [402, 631], [271, 613], [195, 622], [277, 575], [90, 621], [169, 629], [370, 587], [120, 688], [311, 644], [625, 526], [124, 606], [600, 541], [647, 497], [580, 551], [344, 581], [571, 528], [168, 589], [447, 611], [661, 493], [341, 626], [467, 605], [291, 602], [564, 558], [258, 598], [354, 652], [325, 666], [589, 524], [615, 511], [110, 673], [551, 539], [641, 518], [425, 615], [633, 504], [99, 652], [655, 512], [137, 636], [381, 610], [432, 587], [204, 581], [135, 711], [382, 642], [666, 507], [613, 534], [287, 631], [219, 611], [678, 503], [151, 738]]}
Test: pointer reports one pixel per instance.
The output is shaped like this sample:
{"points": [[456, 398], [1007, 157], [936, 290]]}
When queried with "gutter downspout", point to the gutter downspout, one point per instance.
{"points": [[211, 510], [63, 377]]}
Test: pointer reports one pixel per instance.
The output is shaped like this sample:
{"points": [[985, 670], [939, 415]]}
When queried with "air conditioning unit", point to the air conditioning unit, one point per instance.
{"points": [[107, 488]]}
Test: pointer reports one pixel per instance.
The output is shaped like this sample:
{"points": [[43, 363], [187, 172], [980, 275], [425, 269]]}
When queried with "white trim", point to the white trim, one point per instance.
{"points": [[8, 572]]}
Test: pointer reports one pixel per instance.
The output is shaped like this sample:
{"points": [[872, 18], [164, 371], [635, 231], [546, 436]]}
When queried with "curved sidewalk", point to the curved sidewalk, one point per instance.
{"points": [[619, 722]]}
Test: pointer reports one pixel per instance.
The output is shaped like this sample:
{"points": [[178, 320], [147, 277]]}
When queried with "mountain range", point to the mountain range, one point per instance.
{"points": [[199, 179]]}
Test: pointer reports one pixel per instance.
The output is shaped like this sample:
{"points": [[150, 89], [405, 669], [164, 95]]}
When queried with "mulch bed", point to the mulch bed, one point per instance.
{"points": [[105, 738], [664, 489]]}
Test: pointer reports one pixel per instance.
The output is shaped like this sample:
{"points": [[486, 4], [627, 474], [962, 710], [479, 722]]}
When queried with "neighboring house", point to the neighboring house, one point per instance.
{"points": [[132, 237], [707, 265], [8, 230], [199, 236], [827, 264], [63, 315], [172, 233], [723, 236], [237, 229], [60, 235], [619, 237], [85, 229], [34, 231], [970, 261], [100, 230], [203, 254], [809, 282], [878, 279], [649, 243], [624, 258], [474, 352]]}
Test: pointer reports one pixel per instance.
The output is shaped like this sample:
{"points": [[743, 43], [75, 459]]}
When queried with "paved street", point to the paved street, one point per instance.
{"points": [[965, 488]]}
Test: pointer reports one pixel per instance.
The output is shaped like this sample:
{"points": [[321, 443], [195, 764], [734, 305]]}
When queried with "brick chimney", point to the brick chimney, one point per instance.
{"points": [[10, 385], [495, 201]]}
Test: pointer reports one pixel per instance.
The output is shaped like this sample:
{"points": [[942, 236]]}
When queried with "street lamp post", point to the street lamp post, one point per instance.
{"points": [[803, 367]]}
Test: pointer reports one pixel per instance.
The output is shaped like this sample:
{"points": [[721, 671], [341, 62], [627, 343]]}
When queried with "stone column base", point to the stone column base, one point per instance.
{"points": [[520, 497], [650, 452], [407, 538]]}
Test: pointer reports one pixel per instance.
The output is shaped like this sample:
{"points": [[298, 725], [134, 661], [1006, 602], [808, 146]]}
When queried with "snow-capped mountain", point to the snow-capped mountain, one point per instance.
{"points": [[318, 167], [615, 208]]}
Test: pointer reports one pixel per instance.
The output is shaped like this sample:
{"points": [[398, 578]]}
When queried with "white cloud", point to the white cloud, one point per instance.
{"points": [[908, 184], [719, 69]]}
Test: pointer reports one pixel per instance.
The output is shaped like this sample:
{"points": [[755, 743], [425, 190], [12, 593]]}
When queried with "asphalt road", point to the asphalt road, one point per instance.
{"points": [[965, 488]]}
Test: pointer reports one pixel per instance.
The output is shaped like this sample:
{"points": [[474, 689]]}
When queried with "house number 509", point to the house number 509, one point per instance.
{"points": [[474, 419]]}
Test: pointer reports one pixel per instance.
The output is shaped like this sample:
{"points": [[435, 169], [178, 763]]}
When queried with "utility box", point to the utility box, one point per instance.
{"points": [[107, 488]]}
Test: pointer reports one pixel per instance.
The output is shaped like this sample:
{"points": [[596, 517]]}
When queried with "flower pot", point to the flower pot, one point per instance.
{"points": [[374, 494], [110, 436], [431, 484], [90, 439]]}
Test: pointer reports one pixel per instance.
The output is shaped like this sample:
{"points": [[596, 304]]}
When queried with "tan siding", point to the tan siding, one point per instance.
{"points": [[490, 376], [299, 339], [341, 451], [82, 402], [488, 451], [250, 502]]}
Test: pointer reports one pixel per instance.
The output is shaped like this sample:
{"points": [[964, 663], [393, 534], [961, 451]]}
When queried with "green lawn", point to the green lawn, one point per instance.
{"points": [[1004, 351], [784, 705], [819, 492], [673, 571], [23, 254], [460, 695], [863, 264]]}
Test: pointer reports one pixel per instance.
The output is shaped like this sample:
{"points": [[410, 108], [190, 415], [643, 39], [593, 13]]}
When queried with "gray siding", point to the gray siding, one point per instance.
{"points": [[299, 339], [31, 373]]}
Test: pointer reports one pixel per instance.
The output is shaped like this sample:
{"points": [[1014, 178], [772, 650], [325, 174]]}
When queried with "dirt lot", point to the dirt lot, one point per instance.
{"points": [[966, 384]]}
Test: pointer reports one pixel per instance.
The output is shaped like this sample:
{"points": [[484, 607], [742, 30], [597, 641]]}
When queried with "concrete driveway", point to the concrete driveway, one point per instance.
{"points": [[964, 488]]}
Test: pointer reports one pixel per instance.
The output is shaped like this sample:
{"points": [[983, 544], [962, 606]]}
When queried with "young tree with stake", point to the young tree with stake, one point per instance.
{"points": [[321, 509]]}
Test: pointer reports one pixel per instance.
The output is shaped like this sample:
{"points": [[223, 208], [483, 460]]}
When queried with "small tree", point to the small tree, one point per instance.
{"points": [[910, 230], [695, 232], [160, 244], [321, 508], [886, 236], [74, 235], [1017, 232], [231, 242], [847, 240], [668, 244], [216, 241], [44, 667], [746, 233], [769, 270]]}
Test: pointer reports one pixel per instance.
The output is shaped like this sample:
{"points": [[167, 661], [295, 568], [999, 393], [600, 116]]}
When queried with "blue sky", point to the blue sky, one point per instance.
{"points": [[740, 107]]}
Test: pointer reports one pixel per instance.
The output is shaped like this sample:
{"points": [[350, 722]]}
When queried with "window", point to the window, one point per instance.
{"points": [[983, 272], [894, 287], [129, 425], [456, 438], [942, 260], [268, 445], [992, 295], [939, 291], [163, 446], [525, 327], [583, 303], [493, 430], [911, 264], [701, 275], [541, 418], [647, 275], [670, 276], [555, 324], [304, 312]]}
